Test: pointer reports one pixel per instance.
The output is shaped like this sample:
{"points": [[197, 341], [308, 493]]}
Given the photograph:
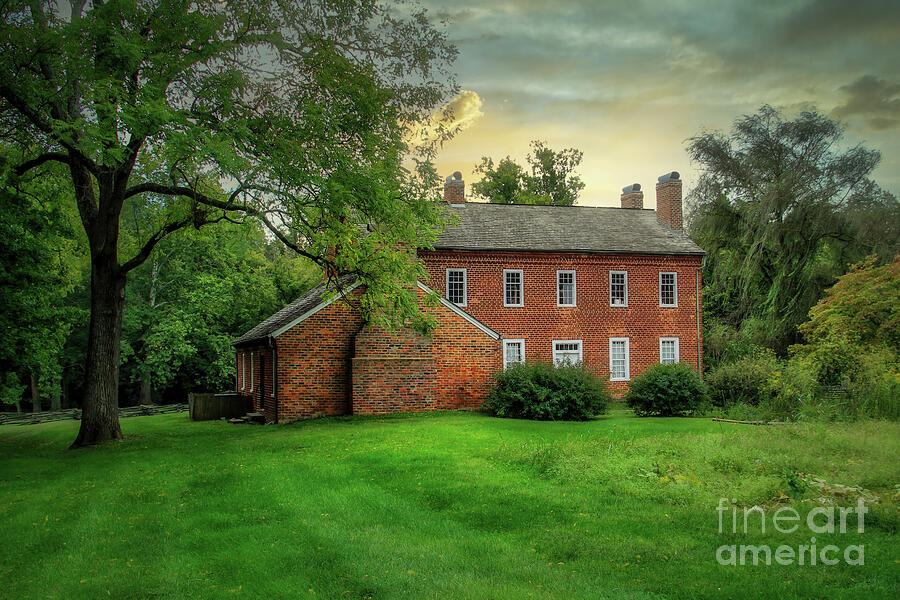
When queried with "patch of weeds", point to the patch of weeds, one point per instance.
{"points": [[797, 486]]}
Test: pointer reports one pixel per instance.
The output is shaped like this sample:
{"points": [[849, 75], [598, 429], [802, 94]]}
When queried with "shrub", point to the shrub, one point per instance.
{"points": [[723, 343], [743, 381], [540, 391], [666, 390], [791, 388]]}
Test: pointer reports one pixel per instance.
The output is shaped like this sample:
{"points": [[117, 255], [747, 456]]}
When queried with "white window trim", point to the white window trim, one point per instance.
{"points": [[251, 372], [675, 275], [465, 273], [580, 349], [521, 287], [611, 273], [627, 359], [574, 287], [677, 347], [505, 341], [243, 370]]}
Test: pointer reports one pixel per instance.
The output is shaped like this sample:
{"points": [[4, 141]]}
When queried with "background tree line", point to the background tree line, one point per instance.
{"points": [[201, 288], [800, 284]]}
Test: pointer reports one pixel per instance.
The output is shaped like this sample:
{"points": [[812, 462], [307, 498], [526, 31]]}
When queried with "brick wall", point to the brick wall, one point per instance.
{"points": [[314, 371], [392, 372], [451, 369], [333, 363], [592, 320], [466, 360]]}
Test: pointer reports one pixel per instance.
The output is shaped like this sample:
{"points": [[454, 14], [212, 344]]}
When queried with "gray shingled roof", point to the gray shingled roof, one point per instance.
{"points": [[485, 226], [298, 307]]}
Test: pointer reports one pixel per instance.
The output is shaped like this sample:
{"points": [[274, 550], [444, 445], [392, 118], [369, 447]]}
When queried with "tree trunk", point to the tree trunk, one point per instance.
{"points": [[100, 408], [146, 390], [56, 397], [35, 394]]}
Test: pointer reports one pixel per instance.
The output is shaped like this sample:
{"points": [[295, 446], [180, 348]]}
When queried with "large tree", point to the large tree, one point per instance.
{"points": [[293, 113], [782, 209], [552, 179]]}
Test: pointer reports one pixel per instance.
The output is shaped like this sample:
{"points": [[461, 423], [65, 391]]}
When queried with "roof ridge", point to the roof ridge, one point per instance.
{"points": [[288, 312]]}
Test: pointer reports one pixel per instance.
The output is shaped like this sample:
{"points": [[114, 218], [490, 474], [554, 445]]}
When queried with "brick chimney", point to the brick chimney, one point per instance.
{"points": [[455, 189], [632, 196], [668, 201]]}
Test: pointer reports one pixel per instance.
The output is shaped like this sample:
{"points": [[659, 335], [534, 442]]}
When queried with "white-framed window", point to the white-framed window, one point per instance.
{"points": [[513, 352], [566, 352], [618, 288], [513, 290], [457, 286], [251, 371], [619, 361], [565, 288], [243, 370], [668, 289], [668, 350]]}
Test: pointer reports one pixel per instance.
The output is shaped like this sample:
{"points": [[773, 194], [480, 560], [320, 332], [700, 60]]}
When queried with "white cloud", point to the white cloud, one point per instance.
{"points": [[462, 111]]}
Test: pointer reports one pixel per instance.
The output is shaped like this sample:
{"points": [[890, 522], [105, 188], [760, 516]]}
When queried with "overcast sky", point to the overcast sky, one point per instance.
{"points": [[628, 82]]}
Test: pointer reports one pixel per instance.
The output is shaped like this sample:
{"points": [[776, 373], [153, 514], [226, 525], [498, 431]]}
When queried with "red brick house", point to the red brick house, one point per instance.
{"points": [[617, 289]]}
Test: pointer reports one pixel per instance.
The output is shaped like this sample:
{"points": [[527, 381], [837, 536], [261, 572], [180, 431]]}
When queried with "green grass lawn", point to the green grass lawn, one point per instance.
{"points": [[445, 505]]}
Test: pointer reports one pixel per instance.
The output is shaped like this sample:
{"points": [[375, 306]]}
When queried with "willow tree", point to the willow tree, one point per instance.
{"points": [[293, 113], [778, 207]]}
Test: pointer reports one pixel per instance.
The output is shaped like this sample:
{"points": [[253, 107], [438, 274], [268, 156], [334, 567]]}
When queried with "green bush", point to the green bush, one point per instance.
{"points": [[666, 390], [791, 389], [542, 392], [724, 344], [743, 381]]}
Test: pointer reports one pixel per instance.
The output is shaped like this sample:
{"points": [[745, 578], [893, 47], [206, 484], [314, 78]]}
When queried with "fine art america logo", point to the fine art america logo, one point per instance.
{"points": [[821, 520]]}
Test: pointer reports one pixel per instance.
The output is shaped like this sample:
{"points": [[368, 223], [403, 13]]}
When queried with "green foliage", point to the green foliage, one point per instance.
{"points": [[782, 211], [852, 342], [863, 307], [503, 184], [742, 381], [666, 390], [792, 390], [200, 290], [723, 343], [40, 262], [551, 180], [11, 388], [544, 392]]}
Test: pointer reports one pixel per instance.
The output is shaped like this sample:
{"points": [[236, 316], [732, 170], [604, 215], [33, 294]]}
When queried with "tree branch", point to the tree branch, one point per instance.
{"points": [[230, 204], [179, 190], [26, 111], [46, 157], [144, 253]]}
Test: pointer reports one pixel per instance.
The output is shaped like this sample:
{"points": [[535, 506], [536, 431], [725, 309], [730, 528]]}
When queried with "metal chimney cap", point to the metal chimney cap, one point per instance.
{"points": [[457, 176], [631, 189], [672, 176]]}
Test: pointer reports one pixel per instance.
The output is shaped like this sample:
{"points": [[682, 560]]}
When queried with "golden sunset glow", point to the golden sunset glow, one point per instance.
{"points": [[629, 82]]}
